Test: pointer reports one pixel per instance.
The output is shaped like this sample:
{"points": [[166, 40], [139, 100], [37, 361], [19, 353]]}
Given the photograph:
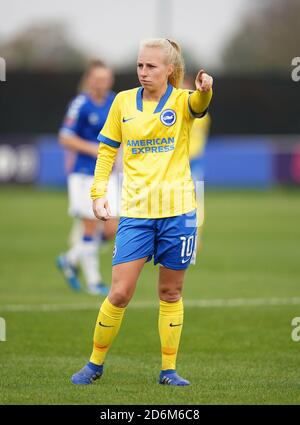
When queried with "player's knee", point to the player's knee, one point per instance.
{"points": [[119, 298], [170, 294]]}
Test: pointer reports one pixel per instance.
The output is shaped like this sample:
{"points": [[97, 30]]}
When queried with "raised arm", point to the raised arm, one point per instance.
{"points": [[200, 99]]}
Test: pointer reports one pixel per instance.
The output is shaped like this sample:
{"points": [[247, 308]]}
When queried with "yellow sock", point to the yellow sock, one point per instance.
{"points": [[107, 326], [170, 325]]}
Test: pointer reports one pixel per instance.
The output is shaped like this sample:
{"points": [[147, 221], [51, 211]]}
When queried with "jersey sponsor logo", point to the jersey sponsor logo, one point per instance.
{"points": [[168, 117], [153, 149], [128, 119], [173, 326], [152, 142], [159, 145]]}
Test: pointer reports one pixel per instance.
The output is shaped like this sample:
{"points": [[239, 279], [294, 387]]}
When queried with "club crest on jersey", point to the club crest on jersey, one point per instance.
{"points": [[168, 117], [93, 118]]}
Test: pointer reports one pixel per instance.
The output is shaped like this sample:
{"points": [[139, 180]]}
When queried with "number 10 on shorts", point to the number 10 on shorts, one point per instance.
{"points": [[187, 246]]}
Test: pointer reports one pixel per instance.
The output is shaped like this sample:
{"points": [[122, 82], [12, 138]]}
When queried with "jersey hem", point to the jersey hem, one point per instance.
{"points": [[161, 216]]}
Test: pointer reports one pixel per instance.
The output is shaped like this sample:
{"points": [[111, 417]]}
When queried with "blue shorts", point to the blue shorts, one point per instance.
{"points": [[171, 241]]}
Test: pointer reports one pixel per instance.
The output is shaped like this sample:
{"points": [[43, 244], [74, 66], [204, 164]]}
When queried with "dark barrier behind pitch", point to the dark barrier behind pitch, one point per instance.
{"points": [[33, 103]]}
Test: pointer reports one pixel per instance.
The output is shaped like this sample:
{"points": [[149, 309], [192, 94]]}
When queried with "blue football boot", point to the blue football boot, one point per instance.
{"points": [[88, 374], [99, 289], [69, 272], [170, 377]]}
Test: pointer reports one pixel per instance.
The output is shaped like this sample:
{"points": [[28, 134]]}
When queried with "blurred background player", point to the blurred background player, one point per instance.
{"points": [[85, 117], [198, 140]]}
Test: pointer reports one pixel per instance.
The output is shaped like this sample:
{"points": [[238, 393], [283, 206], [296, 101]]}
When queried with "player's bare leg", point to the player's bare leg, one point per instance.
{"points": [[110, 228], [124, 280], [170, 284]]}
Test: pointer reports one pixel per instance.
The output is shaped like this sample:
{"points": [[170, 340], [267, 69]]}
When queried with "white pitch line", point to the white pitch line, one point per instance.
{"points": [[234, 302]]}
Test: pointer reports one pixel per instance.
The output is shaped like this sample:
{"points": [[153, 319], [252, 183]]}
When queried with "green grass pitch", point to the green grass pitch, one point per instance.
{"points": [[233, 354]]}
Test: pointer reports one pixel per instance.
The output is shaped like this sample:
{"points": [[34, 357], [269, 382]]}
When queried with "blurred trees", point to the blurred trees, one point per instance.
{"points": [[45, 46], [267, 40]]}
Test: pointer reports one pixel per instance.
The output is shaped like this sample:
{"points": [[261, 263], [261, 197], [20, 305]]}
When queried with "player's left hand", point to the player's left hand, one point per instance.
{"points": [[203, 82]]}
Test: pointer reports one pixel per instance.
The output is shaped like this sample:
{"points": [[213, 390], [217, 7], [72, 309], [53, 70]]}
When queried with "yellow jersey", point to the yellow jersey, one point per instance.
{"points": [[155, 136]]}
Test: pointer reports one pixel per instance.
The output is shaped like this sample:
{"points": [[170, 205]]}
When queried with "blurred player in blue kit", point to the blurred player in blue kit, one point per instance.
{"points": [[84, 119]]}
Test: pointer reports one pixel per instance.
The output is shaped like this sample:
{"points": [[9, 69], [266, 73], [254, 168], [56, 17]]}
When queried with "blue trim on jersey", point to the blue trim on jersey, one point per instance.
{"points": [[108, 141], [164, 99], [139, 99], [161, 103]]}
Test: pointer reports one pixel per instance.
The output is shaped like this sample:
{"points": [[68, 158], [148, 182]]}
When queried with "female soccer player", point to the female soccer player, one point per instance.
{"points": [[85, 118], [158, 197]]}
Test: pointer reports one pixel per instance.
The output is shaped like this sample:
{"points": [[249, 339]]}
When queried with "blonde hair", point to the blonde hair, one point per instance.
{"points": [[173, 56], [92, 64]]}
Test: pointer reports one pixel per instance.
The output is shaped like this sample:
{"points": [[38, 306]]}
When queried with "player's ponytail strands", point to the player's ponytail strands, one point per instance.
{"points": [[176, 59], [173, 56]]}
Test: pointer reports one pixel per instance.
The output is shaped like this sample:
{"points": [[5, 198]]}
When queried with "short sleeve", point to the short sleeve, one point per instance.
{"points": [[111, 133], [74, 116]]}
